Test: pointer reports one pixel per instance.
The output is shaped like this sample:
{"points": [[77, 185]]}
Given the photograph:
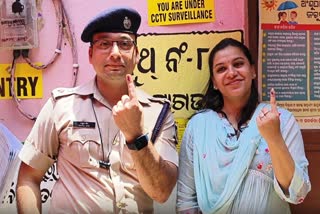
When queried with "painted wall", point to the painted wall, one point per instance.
{"points": [[229, 15]]}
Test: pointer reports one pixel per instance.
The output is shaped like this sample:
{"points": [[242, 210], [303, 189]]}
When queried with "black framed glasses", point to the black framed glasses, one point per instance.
{"points": [[107, 45]]}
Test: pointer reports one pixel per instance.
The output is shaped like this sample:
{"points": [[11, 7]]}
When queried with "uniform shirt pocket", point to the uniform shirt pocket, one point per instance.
{"points": [[84, 146]]}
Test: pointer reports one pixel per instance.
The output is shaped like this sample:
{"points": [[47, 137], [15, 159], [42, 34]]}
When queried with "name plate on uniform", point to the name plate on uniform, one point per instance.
{"points": [[84, 124]]}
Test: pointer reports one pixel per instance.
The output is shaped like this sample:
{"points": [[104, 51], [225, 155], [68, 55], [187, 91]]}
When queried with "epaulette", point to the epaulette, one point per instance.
{"points": [[61, 92], [164, 111]]}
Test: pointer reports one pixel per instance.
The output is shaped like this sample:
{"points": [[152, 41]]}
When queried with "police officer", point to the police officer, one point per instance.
{"points": [[99, 133]]}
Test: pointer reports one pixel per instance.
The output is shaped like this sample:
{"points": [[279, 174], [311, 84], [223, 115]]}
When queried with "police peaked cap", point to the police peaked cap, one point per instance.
{"points": [[118, 19]]}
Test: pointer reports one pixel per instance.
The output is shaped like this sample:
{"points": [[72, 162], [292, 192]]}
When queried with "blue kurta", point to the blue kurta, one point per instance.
{"points": [[220, 173]]}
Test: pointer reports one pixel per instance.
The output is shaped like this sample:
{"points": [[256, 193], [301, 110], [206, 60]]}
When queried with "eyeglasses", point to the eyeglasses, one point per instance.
{"points": [[107, 45]]}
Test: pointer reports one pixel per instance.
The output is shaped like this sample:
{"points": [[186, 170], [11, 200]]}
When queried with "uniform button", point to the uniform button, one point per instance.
{"points": [[116, 141], [83, 137], [129, 165], [121, 205], [113, 173]]}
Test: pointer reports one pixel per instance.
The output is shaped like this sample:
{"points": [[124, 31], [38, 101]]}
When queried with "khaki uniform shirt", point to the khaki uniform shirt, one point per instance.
{"points": [[67, 131]]}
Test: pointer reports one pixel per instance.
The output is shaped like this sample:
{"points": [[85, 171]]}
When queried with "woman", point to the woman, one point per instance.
{"points": [[238, 155], [282, 17]]}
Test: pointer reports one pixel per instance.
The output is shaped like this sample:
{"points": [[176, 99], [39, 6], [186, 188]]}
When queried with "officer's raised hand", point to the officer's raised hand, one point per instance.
{"points": [[128, 114]]}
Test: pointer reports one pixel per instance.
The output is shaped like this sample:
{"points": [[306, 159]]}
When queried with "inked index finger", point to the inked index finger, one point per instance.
{"points": [[273, 102], [131, 87]]}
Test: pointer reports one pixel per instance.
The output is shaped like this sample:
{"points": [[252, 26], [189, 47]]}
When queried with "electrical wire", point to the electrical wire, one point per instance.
{"points": [[72, 41], [64, 29], [57, 52], [16, 55]]}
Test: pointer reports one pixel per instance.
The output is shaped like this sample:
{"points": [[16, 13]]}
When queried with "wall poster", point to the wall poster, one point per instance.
{"points": [[289, 57]]}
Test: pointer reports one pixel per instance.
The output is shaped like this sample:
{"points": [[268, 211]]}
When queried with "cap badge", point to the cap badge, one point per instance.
{"points": [[127, 23]]}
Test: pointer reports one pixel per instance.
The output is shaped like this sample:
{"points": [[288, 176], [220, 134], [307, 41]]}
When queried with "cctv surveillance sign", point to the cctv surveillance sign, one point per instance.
{"points": [[172, 12]]}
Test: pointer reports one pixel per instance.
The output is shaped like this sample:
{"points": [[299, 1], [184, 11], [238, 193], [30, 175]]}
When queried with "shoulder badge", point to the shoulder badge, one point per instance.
{"points": [[160, 120]]}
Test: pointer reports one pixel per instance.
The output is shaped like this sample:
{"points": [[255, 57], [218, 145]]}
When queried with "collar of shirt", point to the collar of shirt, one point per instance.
{"points": [[91, 88]]}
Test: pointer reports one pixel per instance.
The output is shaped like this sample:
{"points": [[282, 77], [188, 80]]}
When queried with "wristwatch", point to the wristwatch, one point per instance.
{"points": [[138, 143]]}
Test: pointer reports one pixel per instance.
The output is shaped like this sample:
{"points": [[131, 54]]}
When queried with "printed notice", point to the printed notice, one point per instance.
{"points": [[315, 65], [289, 57], [285, 66]]}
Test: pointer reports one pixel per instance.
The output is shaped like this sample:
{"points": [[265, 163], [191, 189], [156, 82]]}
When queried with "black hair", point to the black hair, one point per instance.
{"points": [[213, 99]]}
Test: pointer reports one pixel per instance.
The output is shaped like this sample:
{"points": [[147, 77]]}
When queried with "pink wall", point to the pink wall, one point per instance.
{"points": [[230, 15]]}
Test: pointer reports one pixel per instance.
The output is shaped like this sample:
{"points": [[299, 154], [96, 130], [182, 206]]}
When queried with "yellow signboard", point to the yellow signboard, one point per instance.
{"points": [[27, 81], [172, 12], [175, 67]]}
